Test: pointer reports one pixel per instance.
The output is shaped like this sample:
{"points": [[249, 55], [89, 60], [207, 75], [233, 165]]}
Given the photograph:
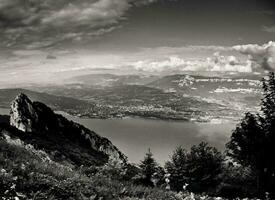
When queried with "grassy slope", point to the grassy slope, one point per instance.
{"points": [[27, 173]]}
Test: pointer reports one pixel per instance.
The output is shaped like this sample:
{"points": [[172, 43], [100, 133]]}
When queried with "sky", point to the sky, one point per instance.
{"points": [[48, 41]]}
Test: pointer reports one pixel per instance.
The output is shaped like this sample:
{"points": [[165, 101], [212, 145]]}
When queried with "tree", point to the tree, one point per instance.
{"points": [[158, 177], [148, 168], [247, 142], [204, 164], [252, 143], [198, 168], [268, 126], [177, 169]]}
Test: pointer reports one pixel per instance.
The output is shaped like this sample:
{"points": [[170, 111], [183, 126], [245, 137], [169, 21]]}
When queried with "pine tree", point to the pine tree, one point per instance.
{"points": [[148, 168]]}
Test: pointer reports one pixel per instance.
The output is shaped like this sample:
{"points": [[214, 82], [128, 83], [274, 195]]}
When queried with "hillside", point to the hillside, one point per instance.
{"points": [[64, 140]]}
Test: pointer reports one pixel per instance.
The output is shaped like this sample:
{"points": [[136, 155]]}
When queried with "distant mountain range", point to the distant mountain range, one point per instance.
{"points": [[172, 97], [240, 93]]}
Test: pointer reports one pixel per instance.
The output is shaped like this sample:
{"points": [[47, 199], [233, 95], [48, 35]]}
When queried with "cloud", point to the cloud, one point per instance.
{"points": [[43, 23], [269, 29], [263, 56], [217, 63]]}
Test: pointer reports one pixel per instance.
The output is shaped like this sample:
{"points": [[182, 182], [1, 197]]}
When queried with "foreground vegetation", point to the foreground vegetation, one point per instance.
{"points": [[27, 174]]}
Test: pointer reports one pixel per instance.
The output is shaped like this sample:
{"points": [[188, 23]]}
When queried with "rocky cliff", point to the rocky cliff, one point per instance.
{"points": [[23, 115], [61, 138]]}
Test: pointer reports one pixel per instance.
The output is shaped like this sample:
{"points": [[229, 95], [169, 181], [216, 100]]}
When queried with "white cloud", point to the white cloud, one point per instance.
{"points": [[261, 55], [217, 63]]}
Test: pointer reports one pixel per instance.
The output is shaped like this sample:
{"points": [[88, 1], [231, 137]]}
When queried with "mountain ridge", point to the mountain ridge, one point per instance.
{"points": [[36, 124]]}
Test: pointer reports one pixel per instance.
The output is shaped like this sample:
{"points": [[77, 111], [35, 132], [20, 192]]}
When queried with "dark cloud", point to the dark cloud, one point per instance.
{"points": [[42, 23], [50, 57], [48, 23]]}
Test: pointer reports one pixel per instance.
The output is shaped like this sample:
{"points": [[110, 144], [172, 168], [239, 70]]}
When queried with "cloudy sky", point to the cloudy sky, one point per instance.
{"points": [[43, 40]]}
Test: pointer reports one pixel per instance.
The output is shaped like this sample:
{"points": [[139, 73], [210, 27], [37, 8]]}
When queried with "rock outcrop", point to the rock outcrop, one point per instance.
{"points": [[22, 113], [42, 125]]}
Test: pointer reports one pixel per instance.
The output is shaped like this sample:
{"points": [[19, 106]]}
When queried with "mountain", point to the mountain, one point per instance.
{"points": [[36, 124]]}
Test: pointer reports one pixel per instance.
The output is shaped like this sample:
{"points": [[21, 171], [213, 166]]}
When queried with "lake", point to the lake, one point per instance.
{"points": [[4, 111], [133, 136]]}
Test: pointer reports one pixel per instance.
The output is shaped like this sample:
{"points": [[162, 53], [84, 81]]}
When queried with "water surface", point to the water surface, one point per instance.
{"points": [[133, 136], [4, 111]]}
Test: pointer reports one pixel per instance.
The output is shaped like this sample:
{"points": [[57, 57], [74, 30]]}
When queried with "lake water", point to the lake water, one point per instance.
{"points": [[133, 136], [4, 111]]}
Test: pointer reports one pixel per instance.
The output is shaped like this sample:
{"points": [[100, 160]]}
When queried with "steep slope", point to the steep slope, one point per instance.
{"points": [[65, 141]]}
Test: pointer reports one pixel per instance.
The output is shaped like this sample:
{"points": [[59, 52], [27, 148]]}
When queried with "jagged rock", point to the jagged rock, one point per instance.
{"points": [[39, 121], [22, 113]]}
